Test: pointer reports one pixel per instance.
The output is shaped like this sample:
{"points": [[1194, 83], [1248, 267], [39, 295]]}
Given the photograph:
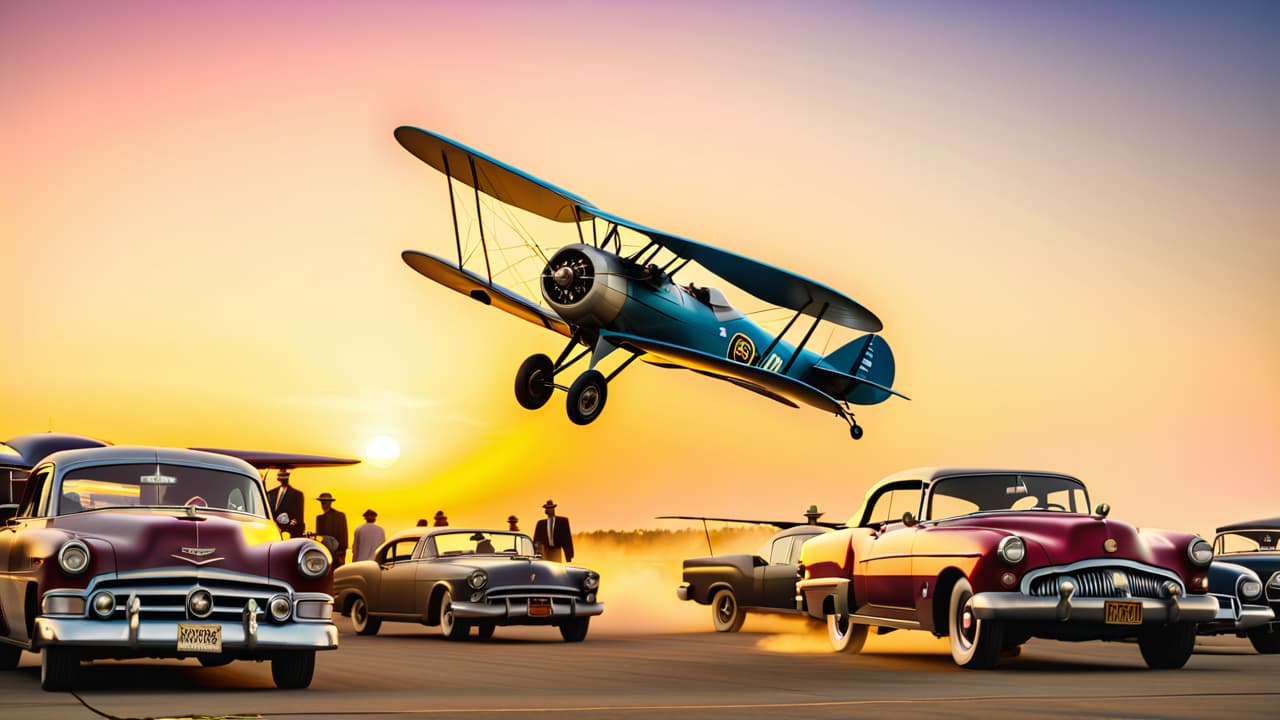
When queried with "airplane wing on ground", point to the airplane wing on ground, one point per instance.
{"points": [[267, 460], [780, 524], [766, 382], [477, 288]]}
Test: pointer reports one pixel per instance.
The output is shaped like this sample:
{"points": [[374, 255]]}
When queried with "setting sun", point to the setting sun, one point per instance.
{"points": [[382, 451]]}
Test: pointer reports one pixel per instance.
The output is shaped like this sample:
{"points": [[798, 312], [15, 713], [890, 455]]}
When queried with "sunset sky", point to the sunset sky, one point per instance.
{"points": [[1067, 216]]}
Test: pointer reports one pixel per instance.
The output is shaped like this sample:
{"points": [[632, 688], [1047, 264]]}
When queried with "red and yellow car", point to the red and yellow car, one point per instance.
{"points": [[127, 552], [992, 558]]}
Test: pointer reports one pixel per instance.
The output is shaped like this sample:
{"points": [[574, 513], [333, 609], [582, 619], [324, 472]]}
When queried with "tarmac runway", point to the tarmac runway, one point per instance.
{"points": [[776, 670]]}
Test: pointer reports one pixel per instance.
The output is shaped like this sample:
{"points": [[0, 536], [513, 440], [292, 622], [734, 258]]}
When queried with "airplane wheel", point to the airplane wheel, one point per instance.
{"points": [[726, 614], [855, 431], [586, 397], [533, 381]]}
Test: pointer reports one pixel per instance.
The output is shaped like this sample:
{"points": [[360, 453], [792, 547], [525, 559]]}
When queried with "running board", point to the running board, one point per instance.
{"points": [[884, 622]]}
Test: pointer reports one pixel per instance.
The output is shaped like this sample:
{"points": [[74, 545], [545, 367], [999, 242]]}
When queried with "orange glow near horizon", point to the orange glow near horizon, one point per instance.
{"points": [[1068, 227]]}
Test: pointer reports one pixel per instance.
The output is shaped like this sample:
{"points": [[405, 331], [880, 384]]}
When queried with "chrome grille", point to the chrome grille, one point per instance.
{"points": [[1100, 583], [165, 598]]}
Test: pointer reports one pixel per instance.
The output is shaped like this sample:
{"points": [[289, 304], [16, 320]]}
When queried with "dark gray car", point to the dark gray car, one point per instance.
{"points": [[458, 578]]}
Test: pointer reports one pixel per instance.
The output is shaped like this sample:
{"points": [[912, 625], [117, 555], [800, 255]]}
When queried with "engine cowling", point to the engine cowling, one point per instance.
{"points": [[585, 285]]}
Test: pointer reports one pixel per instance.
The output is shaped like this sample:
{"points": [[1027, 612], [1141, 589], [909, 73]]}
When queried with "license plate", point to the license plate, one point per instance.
{"points": [[199, 638], [1123, 612], [539, 607]]}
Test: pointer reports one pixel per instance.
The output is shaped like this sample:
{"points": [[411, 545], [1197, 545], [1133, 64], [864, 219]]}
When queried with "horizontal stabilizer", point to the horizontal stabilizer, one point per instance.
{"points": [[476, 288], [771, 384]]}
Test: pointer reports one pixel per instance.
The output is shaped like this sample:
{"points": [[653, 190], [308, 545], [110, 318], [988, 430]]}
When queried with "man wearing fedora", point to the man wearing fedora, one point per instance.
{"points": [[287, 505], [368, 538], [331, 529], [552, 538]]}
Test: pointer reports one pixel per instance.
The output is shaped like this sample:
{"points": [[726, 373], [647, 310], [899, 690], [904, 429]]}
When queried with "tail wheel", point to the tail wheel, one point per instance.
{"points": [[586, 397], [726, 614], [58, 668], [451, 627], [1168, 647], [1266, 639], [846, 635], [533, 381], [975, 643], [855, 431], [360, 619], [293, 670]]}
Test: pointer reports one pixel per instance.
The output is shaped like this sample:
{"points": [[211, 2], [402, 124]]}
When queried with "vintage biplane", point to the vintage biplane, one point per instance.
{"points": [[607, 293]]}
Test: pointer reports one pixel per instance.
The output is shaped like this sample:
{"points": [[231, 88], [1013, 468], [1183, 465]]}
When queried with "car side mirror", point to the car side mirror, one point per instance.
{"points": [[1102, 510], [757, 561], [908, 519]]}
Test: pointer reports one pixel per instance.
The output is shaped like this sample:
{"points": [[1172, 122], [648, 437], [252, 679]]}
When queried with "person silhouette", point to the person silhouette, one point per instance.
{"points": [[552, 537]]}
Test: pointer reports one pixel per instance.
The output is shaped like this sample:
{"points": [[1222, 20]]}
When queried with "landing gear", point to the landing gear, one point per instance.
{"points": [[855, 430], [533, 381], [587, 396]]}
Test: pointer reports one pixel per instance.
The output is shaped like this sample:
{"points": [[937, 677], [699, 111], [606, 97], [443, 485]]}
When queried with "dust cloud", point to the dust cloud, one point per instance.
{"points": [[640, 570]]}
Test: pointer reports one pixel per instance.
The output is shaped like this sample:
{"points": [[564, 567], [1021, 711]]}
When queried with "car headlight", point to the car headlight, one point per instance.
{"points": [[1012, 549], [1200, 552], [591, 581], [477, 579], [73, 558], [312, 561], [1250, 589]]}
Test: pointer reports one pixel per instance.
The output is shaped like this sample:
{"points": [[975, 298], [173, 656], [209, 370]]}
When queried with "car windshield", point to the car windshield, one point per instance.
{"points": [[158, 485], [1247, 541], [965, 494], [472, 542]]}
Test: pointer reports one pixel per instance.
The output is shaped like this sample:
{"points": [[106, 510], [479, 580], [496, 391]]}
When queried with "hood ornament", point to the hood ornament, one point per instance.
{"points": [[532, 576], [197, 552]]}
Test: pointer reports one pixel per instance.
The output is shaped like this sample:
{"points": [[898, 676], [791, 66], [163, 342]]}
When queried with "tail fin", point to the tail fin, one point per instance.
{"points": [[860, 372]]}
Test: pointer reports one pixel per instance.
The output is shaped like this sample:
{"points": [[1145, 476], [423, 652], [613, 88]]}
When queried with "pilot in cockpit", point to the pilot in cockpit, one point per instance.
{"points": [[701, 294]]}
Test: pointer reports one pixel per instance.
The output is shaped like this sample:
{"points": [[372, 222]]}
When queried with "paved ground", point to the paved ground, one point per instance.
{"points": [[780, 670]]}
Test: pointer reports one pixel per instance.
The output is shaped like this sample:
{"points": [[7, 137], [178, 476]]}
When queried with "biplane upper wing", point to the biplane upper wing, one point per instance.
{"points": [[766, 282], [477, 288], [780, 524], [780, 387], [267, 460], [490, 175]]}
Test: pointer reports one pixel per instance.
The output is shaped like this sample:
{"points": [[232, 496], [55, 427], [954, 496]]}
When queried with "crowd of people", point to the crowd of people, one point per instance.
{"points": [[552, 538]]}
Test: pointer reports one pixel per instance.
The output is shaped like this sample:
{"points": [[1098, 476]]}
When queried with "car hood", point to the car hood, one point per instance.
{"points": [[146, 538], [1056, 538], [523, 571], [1265, 564]]}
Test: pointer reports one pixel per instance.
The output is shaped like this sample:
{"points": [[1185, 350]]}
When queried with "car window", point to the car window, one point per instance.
{"points": [[1247, 541], [891, 502], [37, 487], [965, 494], [482, 542], [158, 485], [401, 550], [798, 546], [17, 483], [780, 554]]}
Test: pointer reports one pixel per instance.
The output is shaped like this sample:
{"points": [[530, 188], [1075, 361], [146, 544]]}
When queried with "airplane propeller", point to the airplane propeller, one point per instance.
{"points": [[568, 277]]}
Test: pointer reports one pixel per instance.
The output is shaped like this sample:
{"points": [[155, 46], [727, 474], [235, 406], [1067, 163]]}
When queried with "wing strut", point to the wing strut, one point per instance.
{"points": [[776, 339], [453, 210], [475, 185], [817, 319], [577, 216]]}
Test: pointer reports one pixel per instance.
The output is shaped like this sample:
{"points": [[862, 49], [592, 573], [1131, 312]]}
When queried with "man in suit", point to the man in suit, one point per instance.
{"points": [[287, 506], [331, 529], [552, 538]]}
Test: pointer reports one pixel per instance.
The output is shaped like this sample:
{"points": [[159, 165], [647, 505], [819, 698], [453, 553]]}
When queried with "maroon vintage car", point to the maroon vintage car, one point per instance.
{"points": [[992, 558], [125, 552]]}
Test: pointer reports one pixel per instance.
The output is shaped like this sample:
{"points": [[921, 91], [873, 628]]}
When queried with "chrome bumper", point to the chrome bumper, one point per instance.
{"points": [[518, 609], [1229, 620], [1067, 607], [682, 592], [161, 636]]}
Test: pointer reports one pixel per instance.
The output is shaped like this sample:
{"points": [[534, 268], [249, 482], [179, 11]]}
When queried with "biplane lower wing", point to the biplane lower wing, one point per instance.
{"points": [[771, 384], [476, 288]]}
